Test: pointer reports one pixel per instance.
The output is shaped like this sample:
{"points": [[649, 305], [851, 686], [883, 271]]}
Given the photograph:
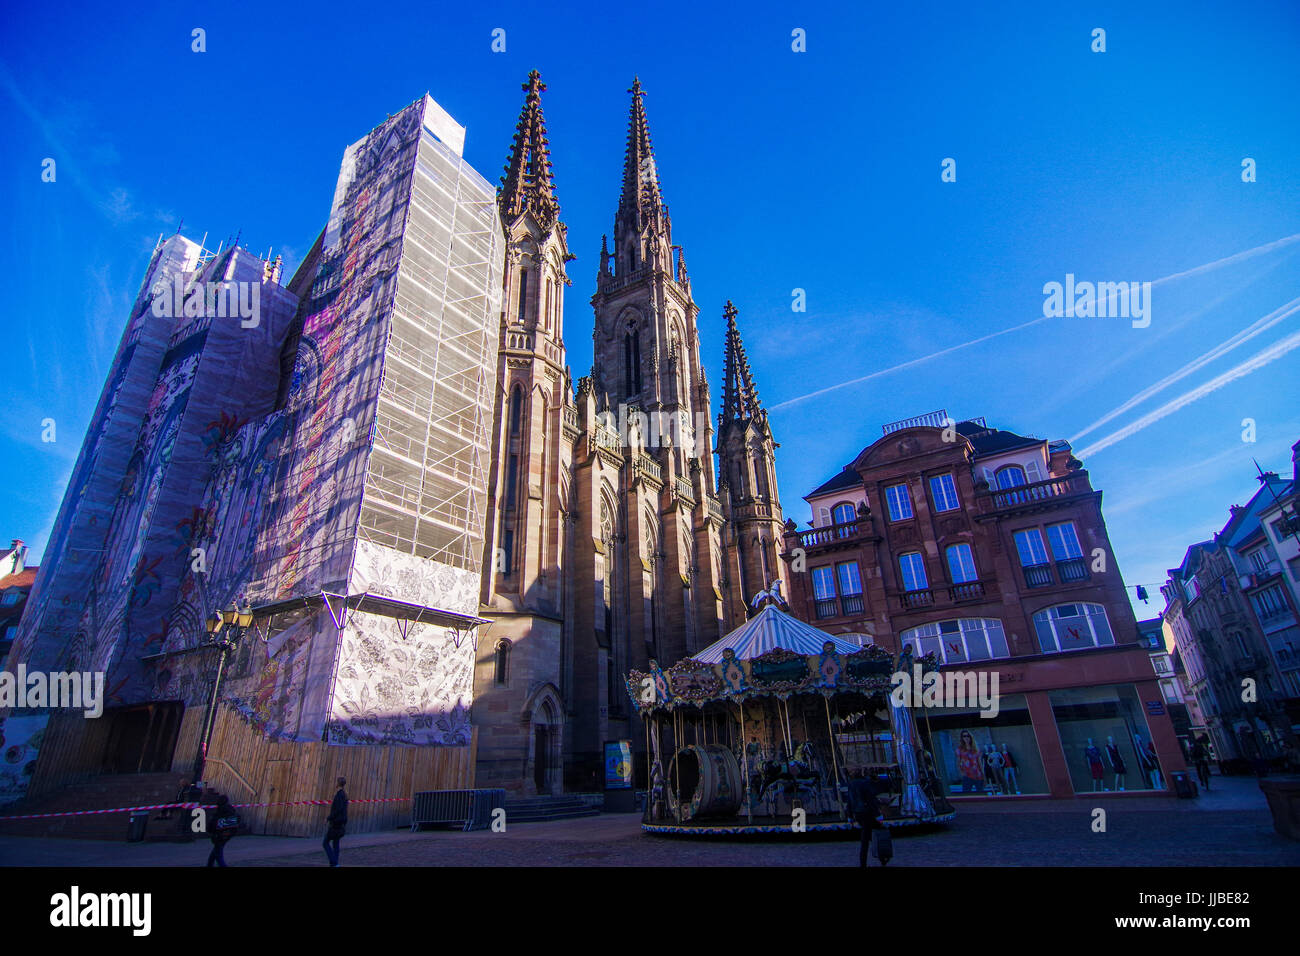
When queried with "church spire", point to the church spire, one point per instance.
{"points": [[527, 184], [641, 198], [739, 394]]}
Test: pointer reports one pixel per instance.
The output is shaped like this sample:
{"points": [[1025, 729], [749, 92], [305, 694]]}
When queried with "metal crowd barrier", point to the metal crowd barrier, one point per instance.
{"points": [[470, 808]]}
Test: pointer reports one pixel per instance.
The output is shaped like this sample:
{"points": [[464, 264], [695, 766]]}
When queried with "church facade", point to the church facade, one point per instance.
{"points": [[609, 540]]}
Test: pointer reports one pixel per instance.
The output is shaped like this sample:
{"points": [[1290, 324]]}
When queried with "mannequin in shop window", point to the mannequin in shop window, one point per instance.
{"points": [[1150, 764], [1117, 764], [1009, 769], [993, 761], [1095, 766], [968, 763]]}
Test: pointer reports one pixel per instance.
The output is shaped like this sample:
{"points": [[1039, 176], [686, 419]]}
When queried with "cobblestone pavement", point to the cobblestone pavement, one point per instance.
{"points": [[1230, 826]]}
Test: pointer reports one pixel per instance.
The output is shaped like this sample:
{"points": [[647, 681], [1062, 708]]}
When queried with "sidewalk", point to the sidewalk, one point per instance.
{"points": [[1230, 826]]}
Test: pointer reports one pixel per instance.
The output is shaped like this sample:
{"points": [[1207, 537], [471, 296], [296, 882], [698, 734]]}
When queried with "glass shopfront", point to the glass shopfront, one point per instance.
{"points": [[1106, 740], [994, 756]]}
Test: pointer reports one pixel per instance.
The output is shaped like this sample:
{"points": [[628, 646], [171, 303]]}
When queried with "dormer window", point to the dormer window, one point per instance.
{"points": [[1009, 476]]}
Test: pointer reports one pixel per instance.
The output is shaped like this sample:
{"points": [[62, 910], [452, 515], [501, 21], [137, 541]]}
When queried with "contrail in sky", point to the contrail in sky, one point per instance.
{"points": [[1223, 348], [1256, 361], [1198, 270]]}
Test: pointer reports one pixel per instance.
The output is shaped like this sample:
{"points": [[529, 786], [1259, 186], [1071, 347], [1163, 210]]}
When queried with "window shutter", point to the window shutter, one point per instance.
{"points": [[1033, 471]]}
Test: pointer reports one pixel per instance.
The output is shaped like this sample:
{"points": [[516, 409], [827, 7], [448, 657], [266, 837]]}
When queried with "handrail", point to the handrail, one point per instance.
{"points": [[237, 775]]}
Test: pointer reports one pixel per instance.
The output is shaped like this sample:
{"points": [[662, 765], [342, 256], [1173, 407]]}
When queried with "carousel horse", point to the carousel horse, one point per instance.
{"points": [[807, 770], [789, 776]]}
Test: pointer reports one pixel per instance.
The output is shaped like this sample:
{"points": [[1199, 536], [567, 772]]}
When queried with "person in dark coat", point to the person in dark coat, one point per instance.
{"points": [[225, 824], [1201, 759], [864, 803], [337, 824]]}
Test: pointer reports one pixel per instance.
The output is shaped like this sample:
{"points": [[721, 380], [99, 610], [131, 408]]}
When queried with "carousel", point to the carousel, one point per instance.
{"points": [[760, 732]]}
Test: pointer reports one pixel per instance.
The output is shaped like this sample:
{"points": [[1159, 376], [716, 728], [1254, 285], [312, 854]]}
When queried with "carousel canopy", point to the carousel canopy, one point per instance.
{"points": [[769, 629]]}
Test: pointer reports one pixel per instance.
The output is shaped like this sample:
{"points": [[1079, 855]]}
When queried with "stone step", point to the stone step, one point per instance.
{"points": [[100, 793]]}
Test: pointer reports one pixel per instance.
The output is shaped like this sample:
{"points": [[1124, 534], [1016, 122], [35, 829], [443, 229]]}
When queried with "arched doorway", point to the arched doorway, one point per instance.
{"points": [[544, 715]]}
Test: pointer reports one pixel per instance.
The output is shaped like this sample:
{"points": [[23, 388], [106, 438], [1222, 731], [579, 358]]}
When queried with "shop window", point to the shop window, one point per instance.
{"points": [[972, 754], [1106, 740]]}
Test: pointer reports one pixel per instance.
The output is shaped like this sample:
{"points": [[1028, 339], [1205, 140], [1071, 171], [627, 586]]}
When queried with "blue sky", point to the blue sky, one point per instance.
{"points": [[783, 170]]}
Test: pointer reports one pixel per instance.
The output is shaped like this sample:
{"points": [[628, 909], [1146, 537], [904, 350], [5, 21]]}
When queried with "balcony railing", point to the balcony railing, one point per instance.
{"points": [[831, 533], [715, 506], [966, 591], [847, 606], [648, 466], [684, 490], [1040, 491], [1038, 576], [911, 600], [1072, 570], [608, 439]]}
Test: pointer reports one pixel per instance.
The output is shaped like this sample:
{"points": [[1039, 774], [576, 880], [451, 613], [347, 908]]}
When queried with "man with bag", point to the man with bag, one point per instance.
{"points": [[864, 802], [223, 830], [338, 822]]}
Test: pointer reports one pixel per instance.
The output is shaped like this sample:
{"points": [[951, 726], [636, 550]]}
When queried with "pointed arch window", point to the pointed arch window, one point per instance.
{"points": [[516, 409], [550, 291], [501, 663], [632, 359], [523, 294]]}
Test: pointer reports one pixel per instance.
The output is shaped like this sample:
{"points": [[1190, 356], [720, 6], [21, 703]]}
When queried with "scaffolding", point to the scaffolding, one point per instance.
{"points": [[426, 482]]}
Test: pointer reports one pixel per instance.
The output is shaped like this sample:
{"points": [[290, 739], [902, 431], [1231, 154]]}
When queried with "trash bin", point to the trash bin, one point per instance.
{"points": [[1184, 786], [135, 828]]}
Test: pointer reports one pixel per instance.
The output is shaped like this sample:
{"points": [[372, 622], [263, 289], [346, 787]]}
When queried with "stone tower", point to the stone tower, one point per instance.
{"points": [[648, 565], [519, 707], [747, 465]]}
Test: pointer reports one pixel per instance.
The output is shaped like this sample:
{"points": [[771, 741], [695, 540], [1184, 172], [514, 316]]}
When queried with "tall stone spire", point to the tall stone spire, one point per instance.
{"points": [[641, 200], [739, 393], [527, 184]]}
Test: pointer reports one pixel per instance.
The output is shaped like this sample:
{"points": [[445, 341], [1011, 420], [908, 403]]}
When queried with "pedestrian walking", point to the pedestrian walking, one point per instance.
{"points": [[225, 826], [865, 805], [1201, 760], [337, 823]]}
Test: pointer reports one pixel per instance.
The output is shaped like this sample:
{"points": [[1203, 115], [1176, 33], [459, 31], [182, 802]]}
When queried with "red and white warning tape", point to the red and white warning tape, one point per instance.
{"points": [[193, 806]]}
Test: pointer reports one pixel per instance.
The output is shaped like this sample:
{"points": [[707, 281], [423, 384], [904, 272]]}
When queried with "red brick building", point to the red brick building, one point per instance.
{"points": [[16, 579], [989, 549]]}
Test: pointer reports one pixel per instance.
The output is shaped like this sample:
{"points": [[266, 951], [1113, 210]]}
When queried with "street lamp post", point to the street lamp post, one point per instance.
{"points": [[234, 621]]}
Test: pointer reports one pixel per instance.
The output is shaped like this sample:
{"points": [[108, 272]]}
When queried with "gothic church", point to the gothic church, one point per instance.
{"points": [[609, 540]]}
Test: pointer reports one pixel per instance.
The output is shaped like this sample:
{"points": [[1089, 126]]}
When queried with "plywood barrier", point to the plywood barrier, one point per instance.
{"points": [[71, 751], [252, 768]]}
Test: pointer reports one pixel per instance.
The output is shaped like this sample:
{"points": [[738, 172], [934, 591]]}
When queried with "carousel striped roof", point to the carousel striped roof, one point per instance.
{"points": [[769, 629]]}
